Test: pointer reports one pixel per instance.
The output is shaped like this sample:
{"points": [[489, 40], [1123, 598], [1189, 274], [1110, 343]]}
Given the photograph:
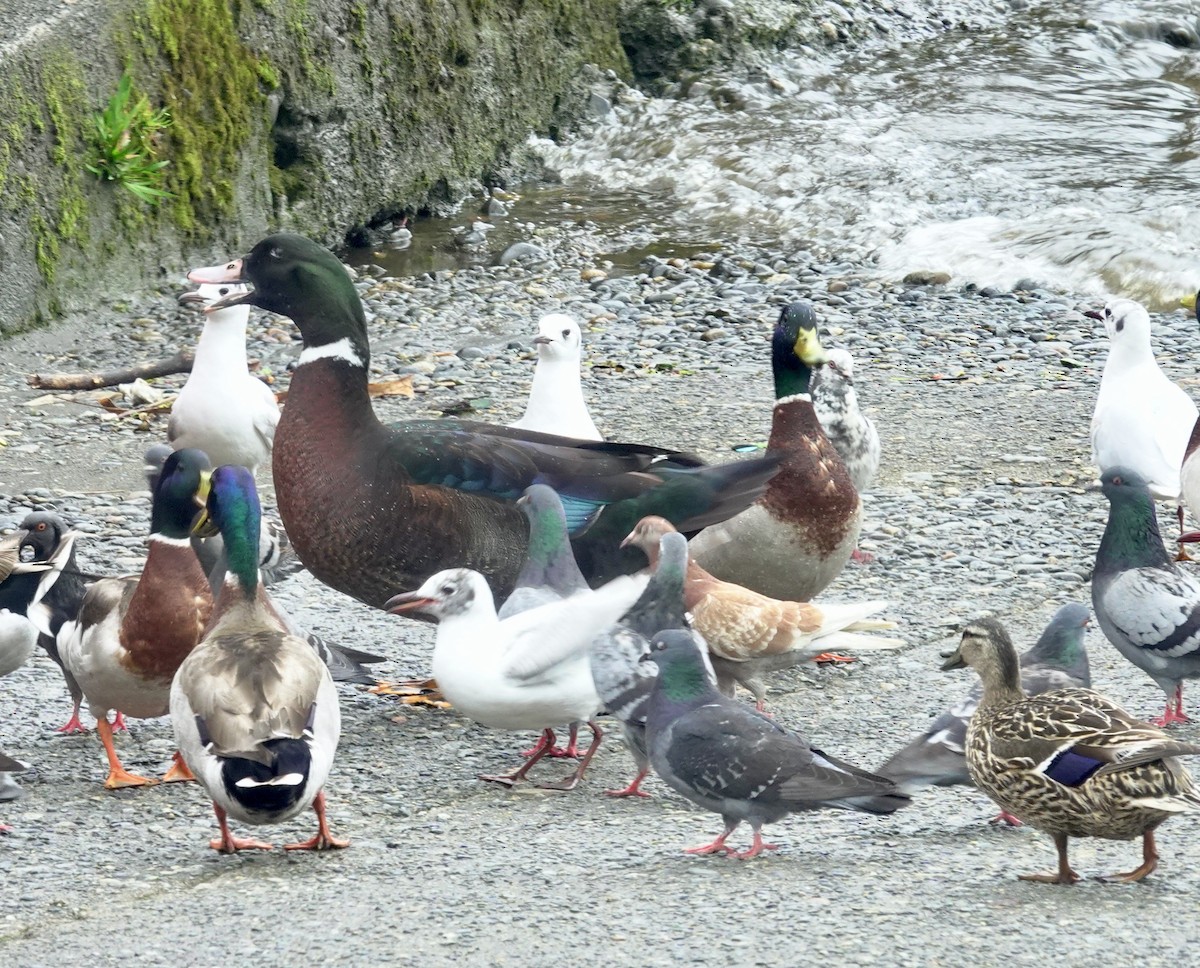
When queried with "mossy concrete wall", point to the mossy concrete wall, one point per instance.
{"points": [[310, 115]]}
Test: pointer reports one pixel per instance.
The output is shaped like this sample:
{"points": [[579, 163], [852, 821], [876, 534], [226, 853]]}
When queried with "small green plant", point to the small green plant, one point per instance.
{"points": [[125, 146]]}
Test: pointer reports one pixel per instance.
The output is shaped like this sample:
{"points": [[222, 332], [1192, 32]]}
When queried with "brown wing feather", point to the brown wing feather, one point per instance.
{"points": [[741, 624]]}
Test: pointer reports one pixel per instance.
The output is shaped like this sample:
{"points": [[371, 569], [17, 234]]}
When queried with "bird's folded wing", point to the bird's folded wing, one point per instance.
{"points": [[545, 637], [723, 750], [1156, 610]]}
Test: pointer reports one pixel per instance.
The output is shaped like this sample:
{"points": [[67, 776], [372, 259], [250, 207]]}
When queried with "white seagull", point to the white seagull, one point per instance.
{"points": [[222, 409], [556, 404], [529, 671], [1142, 420]]}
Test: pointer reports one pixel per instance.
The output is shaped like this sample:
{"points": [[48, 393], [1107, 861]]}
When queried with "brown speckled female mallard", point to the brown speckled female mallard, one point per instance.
{"points": [[795, 539], [1069, 762]]}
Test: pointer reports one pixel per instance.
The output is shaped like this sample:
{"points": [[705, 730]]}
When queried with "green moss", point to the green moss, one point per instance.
{"points": [[212, 88], [42, 114]]}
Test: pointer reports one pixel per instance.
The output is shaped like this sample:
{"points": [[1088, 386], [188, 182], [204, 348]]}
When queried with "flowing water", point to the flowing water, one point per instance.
{"points": [[1060, 146]]}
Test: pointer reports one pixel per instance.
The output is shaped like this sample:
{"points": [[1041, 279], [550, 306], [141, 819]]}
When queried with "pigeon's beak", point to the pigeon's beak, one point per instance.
{"points": [[542, 341], [192, 299], [1094, 314], [954, 660], [408, 602], [628, 539]]}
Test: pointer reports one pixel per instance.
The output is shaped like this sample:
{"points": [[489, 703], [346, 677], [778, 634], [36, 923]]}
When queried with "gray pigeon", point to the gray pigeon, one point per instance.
{"points": [[549, 574], [623, 678], [1146, 606], [937, 757], [9, 788], [730, 759]]}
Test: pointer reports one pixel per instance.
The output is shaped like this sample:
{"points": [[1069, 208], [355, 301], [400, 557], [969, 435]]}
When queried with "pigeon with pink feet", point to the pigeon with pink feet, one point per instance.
{"points": [[728, 758], [1145, 604]]}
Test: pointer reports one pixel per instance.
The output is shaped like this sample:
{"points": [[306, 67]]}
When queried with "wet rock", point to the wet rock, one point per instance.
{"points": [[927, 278]]}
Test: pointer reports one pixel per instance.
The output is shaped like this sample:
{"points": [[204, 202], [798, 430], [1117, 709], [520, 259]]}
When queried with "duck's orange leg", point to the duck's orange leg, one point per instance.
{"points": [[118, 776], [227, 843], [323, 839], [179, 772]]}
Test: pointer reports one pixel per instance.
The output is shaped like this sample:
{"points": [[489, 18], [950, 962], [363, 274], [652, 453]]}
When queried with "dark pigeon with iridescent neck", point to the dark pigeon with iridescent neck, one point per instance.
{"points": [[727, 758], [371, 508], [619, 655], [550, 572]]}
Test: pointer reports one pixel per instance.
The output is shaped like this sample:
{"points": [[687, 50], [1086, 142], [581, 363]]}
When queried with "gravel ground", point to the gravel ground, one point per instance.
{"points": [[983, 401]]}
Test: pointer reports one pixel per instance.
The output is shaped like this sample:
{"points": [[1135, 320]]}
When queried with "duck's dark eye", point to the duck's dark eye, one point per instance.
{"points": [[566, 334], [447, 589], [224, 291]]}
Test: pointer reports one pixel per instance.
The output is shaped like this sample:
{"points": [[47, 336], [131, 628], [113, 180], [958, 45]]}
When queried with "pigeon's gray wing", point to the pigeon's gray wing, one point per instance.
{"points": [[1156, 610]]}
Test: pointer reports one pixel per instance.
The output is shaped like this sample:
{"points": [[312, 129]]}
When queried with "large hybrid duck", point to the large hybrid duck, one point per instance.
{"points": [[132, 633], [222, 409], [373, 508], [254, 709], [1069, 762], [798, 536]]}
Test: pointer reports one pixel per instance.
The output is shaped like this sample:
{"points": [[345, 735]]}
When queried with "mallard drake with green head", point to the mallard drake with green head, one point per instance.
{"points": [[795, 539], [372, 508], [1069, 762], [255, 710], [132, 633]]}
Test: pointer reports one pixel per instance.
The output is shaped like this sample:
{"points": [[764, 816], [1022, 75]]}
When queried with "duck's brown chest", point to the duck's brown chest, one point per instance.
{"points": [[353, 515]]}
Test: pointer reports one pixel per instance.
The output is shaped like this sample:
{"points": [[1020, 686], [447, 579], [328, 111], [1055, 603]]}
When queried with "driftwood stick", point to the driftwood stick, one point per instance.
{"points": [[179, 363]]}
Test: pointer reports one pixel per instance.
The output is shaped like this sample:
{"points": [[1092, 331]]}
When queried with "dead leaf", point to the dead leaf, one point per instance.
{"points": [[400, 386]]}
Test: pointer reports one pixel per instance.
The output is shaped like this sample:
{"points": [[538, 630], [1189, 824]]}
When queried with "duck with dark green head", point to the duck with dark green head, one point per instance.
{"points": [[796, 538], [131, 634], [372, 508], [727, 758], [1146, 605], [255, 710]]}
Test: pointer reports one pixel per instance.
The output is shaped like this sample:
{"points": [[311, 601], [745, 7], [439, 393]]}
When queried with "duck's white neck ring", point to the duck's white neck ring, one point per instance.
{"points": [[343, 349]]}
